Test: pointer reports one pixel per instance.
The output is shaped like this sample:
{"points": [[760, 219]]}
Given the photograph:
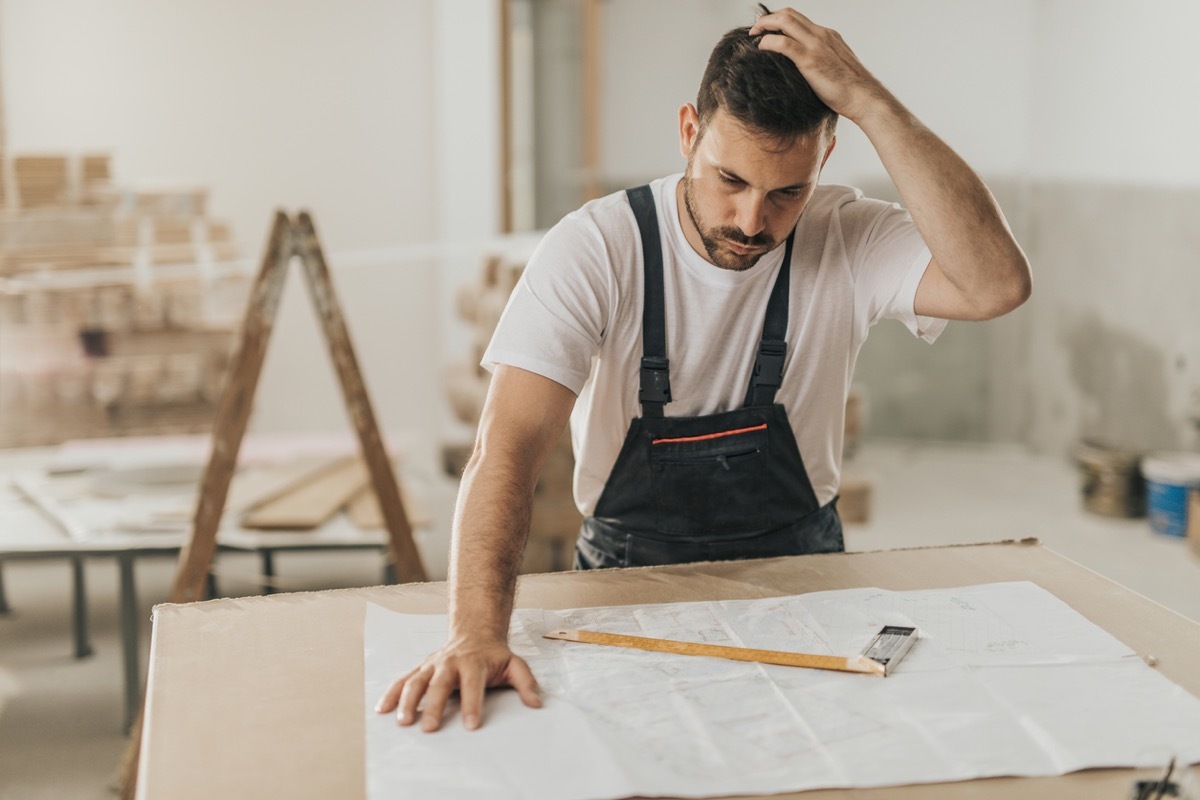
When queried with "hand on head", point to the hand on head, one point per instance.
{"points": [[828, 64]]}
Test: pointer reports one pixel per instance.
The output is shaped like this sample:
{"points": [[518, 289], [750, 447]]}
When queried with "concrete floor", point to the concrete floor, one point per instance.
{"points": [[61, 732], [60, 718]]}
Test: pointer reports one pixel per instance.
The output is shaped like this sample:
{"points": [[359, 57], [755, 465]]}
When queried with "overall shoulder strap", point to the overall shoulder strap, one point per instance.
{"points": [[772, 348], [655, 384]]}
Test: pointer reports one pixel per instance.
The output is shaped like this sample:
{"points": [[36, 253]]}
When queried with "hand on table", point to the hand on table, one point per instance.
{"points": [[470, 667]]}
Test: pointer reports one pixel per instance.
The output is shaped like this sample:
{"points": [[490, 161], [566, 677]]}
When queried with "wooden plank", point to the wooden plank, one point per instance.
{"points": [[254, 487], [364, 510], [311, 503]]}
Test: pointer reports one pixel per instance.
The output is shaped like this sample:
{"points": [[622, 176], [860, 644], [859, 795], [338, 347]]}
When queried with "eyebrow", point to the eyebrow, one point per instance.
{"points": [[730, 173]]}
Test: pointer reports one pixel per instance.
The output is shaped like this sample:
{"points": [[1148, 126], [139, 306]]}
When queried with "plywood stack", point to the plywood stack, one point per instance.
{"points": [[41, 180], [97, 336], [556, 520]]}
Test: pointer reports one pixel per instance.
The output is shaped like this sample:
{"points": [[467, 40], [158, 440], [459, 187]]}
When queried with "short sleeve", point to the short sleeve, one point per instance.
{"points": [[888, 258], [556, 316]]}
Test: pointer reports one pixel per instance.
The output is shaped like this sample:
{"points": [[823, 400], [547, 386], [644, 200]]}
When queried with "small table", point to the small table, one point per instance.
{"points": [[26, 532]]}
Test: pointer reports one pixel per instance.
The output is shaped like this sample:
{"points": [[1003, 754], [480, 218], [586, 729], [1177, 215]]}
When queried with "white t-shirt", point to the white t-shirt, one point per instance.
{"points": [[575, 317]]}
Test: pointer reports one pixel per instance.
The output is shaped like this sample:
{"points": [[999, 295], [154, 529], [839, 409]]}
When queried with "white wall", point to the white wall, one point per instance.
{"points": [[293, 103], [1114, 319], [467, 86], [964, 68], [1115, 95]]}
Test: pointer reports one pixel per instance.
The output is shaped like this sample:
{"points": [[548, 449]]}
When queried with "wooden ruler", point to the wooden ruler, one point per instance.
{"points": [[857, 664]]}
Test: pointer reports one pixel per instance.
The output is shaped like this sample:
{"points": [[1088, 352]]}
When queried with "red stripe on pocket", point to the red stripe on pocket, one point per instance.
{"points": [[707, 436]]}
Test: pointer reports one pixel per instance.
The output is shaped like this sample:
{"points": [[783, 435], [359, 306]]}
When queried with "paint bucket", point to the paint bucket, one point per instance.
{"points": [[1169, 478], [1111, 481]]}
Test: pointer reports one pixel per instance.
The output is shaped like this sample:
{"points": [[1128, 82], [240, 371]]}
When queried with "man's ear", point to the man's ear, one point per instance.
{"points": [[689, 129], [829, 150]]}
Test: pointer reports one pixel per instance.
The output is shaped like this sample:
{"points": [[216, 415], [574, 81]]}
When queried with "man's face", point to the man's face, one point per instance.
{"points": [[744, 192]]}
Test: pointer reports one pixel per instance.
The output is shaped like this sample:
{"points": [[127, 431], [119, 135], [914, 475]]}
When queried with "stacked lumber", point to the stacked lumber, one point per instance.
{"points": [[556, 520], [70, 216], [55, 180], [97, 337], [41, 180]]}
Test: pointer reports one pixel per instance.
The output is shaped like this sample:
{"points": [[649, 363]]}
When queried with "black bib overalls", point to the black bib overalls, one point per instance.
{"points": [[719, 486]]}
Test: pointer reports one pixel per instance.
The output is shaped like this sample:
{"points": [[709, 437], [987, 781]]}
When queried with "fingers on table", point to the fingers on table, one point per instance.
{"points": [[437, 694], [391, 698], [472, 684], [520, 677]]}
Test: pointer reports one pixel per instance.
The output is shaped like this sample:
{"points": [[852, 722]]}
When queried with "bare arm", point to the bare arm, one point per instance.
{"points": [[978, 270], [523, 418]]}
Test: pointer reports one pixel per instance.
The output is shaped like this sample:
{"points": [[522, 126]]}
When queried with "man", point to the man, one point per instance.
{"points": [[670, 306]]}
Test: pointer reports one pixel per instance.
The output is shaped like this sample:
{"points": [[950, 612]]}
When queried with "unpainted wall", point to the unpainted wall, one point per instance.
{"points": [[1107, 349]]}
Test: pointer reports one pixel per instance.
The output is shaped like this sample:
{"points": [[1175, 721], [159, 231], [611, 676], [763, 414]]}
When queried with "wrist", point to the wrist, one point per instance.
{"points": [[478, 626], [477, 636], [880, 111]]}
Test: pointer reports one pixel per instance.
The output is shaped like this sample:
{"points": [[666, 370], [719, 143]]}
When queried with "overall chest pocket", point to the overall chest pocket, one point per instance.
{"points": [[712, 483]]}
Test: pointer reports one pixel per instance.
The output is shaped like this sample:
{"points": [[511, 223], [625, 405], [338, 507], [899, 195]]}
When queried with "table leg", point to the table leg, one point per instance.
{"points": [[4, 607], [129, 639], [79, 604], [268, 569]]}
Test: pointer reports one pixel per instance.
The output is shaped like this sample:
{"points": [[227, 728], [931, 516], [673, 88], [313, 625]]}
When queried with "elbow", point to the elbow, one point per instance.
{"points": [[1021, 288], [1012, 292]]}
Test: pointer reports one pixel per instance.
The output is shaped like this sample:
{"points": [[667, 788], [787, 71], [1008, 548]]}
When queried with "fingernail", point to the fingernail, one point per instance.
{"points": [[406, 718], [379, 708], [471, 721]]}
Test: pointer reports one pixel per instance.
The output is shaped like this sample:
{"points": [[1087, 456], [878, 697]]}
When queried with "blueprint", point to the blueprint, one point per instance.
{"points": [[1006, 679]]}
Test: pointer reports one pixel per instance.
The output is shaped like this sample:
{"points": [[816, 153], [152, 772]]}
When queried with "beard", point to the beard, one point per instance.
{"points": [[714, 239]]}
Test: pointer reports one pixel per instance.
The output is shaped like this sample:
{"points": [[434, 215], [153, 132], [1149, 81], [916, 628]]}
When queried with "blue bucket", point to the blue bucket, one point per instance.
{"points": [[1169, 478]]}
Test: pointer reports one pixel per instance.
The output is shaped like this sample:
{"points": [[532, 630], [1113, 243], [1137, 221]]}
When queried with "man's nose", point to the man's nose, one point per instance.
{"points": [[751, 218]]}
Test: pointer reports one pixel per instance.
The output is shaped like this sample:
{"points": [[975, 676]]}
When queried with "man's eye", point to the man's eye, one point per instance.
{"points": [[731, 181]]}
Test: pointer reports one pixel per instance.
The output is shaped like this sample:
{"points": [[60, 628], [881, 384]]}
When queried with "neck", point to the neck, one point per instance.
{"points": [[687, 222]]}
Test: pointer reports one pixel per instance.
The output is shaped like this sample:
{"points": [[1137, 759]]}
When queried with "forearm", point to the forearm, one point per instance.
{"points": [[491, 524], [953, 209]]}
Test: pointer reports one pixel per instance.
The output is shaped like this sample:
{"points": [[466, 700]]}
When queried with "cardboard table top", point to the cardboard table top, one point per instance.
{"points": [[262, 696]]}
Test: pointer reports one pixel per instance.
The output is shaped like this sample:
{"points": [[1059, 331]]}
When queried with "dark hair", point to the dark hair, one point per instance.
{"points": [[760, 89]]}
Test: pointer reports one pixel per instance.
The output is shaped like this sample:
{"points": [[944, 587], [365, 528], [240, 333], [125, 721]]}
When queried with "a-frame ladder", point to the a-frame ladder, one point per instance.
{"points": [[289, 238]]}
